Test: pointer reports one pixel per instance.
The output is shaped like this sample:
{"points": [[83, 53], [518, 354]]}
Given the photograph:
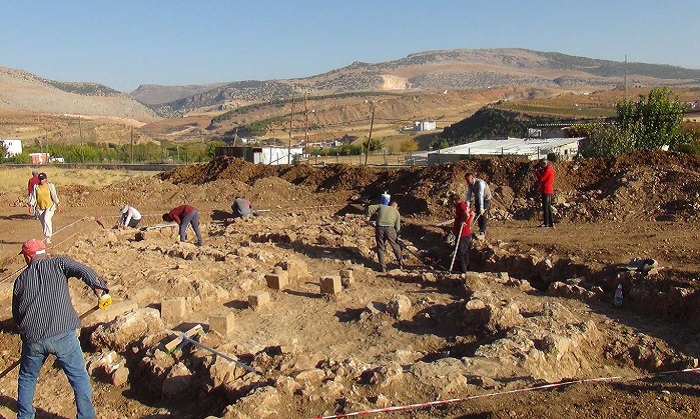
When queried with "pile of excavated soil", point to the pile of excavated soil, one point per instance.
{"points": [[655, 185]]}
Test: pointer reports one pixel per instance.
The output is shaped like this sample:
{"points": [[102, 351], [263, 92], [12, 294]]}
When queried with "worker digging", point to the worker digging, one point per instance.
{"points": [[387, 229], [47, 323], [129, 217], [461, 228], [185, 215]]}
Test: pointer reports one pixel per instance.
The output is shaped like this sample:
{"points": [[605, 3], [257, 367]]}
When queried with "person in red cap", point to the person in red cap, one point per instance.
{"points": [[47, 323], [184, 215]]}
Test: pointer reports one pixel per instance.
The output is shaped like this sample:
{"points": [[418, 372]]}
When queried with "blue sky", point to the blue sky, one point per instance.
{"points": [[127, 43]]}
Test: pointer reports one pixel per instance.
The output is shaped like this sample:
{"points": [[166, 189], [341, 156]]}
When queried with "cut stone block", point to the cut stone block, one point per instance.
{"points": [[347, 273], [258, 299], [173, 310], [331, 285], [277, 281], [119, 376], [221, 321]]}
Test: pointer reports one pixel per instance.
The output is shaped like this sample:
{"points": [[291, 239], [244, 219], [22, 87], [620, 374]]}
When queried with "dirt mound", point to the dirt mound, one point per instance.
{"points": [[657, 185]]}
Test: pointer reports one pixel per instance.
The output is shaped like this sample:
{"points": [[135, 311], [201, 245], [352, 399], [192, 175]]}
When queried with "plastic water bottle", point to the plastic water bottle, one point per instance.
{"points": [[618, 296], [385, 199]]}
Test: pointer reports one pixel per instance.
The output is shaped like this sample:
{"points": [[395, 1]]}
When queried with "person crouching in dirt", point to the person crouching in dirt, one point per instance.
{"points": [[387, 229], [242, 207], [47, 322], [544, 173], [462, 230], [184, 215], [482, 200], [130, 217]]}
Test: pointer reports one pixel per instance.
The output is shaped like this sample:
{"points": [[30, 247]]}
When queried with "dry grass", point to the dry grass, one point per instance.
{"points": [[13, 179]]}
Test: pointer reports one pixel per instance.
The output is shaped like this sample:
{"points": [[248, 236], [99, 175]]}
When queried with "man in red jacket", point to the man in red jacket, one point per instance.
{"points": [[462, 230], [545, 177], [184, 215], [33, 181]]}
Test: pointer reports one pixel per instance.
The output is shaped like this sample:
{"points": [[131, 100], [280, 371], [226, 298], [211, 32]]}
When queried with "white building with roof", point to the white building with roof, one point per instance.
{"points": [[13, 146], [526, 148], [424, 125]]}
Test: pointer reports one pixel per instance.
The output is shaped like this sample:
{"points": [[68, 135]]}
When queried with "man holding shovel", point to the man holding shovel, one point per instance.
{"points": [[462, 231], [47, 322]]}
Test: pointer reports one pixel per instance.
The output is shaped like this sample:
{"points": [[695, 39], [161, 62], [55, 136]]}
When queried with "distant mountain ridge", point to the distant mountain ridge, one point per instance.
{"points": [[432, 70], [154, 94], [24, 91]]}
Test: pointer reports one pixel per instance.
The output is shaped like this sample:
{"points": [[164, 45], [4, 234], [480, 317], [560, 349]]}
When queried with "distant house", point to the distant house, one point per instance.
{"points": [[525, 148], [424, 125], [12, 146], [39, 158], [263, 155]]}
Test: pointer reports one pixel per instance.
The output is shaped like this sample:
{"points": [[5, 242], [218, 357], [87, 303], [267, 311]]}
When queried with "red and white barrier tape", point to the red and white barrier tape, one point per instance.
{"points": [[481, 396]]}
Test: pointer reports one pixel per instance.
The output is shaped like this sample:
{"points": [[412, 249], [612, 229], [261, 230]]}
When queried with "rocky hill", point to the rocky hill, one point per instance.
{"points": [[23, 91], [438, 70], [154, 94]]}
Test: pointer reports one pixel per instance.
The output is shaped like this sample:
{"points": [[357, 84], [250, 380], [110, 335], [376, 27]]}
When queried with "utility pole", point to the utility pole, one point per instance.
{"points": [[80, 135], [625, 77], [131, 152], [369, 138], [306, 121], [289, 140]]}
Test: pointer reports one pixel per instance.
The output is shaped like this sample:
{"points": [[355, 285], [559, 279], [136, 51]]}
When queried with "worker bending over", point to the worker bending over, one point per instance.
{"points": [[130, 217]]}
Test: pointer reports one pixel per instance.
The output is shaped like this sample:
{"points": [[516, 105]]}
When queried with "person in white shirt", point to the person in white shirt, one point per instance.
{"points": [[130, 217]]}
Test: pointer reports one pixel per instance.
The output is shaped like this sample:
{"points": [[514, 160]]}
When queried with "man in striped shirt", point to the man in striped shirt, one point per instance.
{"points": [[47, 322]]}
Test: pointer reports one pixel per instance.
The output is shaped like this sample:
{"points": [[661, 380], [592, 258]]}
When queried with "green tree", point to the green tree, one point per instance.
{"points": [[374, 145], [654, 121], [211, 148], [606, 140], [408, 145]]}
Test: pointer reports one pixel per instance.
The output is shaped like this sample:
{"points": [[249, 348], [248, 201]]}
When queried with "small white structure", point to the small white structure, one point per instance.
{"points": [[13, 146], [424, 125], [263, 154], [277, 155], [527, 148], [39, 158]]}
